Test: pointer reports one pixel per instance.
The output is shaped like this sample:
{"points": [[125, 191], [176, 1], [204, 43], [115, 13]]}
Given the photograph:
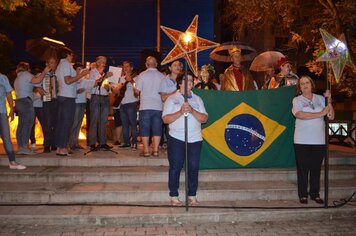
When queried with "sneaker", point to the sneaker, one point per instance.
{"points": [[105, 146], [17, 166], [33, 146], [125, 145], [134, 146], [25, 151]]}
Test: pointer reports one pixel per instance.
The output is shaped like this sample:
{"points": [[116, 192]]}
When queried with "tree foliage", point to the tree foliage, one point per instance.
{"points": [[39, 17], [34, 17], [302, 19]]}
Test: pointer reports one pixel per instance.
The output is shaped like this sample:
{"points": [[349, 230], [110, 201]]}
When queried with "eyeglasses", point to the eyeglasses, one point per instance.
{"points": [[311, 105]]}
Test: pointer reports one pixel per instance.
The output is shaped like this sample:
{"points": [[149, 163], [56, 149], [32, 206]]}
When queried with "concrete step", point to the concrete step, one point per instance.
{"points": [[92, 193], [146, 174], [207, 212], [128, 158]]}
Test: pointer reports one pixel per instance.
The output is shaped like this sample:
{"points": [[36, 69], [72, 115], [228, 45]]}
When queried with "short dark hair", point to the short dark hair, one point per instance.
{"points": [[65, 52], [181, 77], [77, 65], [128, 62]]}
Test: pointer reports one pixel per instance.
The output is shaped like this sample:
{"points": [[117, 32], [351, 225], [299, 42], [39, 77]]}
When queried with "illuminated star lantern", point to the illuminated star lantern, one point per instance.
{"points": [[187, 45], [336, 53]]}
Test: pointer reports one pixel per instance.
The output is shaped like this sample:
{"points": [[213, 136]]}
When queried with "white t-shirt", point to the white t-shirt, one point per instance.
{"points": [[129, 96], [176, 128], [95, 75], [149, 83], [66, 69], [311, 131]]}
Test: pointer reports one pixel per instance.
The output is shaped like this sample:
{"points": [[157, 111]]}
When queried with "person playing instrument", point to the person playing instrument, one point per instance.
{"points": [[67, 79]]}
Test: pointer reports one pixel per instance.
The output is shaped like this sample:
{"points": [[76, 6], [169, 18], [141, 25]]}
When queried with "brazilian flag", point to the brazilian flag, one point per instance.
{"points": [[250, 129]]}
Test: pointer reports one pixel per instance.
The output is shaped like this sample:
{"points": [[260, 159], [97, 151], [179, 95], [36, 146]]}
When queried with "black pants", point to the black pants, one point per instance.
{"points": [[309, 159]]}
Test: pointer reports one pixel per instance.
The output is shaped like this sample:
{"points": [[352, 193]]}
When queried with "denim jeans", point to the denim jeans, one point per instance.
{"points": [[50, 113], [5, 136], [39, 115], [128, 113], [66, 110], [150, 123], [26, 113], [77, 123], [176, 158], [99, 111]]}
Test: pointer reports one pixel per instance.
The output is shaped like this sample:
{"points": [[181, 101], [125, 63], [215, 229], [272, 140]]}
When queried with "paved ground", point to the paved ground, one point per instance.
{"points": [[330, 227]]}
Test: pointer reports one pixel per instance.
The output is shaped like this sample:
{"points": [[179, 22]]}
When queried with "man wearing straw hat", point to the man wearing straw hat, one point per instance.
{"points": [[236, 77]]}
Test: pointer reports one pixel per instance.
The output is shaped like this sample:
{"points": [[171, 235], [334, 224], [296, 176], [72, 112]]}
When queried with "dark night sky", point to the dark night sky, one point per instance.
{"points": [[120, 29]]}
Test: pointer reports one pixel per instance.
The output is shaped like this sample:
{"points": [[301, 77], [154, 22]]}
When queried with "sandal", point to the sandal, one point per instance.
{"points": [[145, 154], [193, 201], [155, 153], [176, 202]]}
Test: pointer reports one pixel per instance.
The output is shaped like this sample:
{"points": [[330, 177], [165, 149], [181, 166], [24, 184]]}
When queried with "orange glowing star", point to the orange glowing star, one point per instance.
{"points": [[187, 45]]}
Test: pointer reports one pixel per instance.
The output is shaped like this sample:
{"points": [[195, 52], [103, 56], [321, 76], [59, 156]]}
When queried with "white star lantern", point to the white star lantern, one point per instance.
{"points": [[336, 53]]}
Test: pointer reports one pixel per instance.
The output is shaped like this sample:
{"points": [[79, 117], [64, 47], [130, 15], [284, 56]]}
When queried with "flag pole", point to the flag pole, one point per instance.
{"points": [[326, 162], [186, 135]]}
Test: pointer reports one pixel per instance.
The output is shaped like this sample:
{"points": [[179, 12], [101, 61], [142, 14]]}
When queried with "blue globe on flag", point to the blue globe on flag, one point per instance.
{"points": [[244, 134]]}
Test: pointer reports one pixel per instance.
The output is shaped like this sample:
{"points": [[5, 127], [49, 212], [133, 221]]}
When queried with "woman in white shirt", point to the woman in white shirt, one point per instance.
{"points": [[309, 137], [173, 114]]}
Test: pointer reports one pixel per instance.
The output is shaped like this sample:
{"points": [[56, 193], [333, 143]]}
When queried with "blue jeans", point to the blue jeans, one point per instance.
{"points": [[5, 136], [39, 114], [99, 111], [128, 114], [77, 123], [26, 113], [176, 158], [50, 110], [66, 110]]}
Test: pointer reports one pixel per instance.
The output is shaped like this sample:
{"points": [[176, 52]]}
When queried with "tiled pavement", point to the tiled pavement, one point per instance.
{"points": [[331, 227]]}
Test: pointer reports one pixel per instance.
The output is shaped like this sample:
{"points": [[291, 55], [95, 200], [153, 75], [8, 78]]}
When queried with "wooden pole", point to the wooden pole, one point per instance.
{"points": [[158, 25], [83, 30]]}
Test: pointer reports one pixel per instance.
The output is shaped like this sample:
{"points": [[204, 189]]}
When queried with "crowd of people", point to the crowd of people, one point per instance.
{"points": [[64, 91]]}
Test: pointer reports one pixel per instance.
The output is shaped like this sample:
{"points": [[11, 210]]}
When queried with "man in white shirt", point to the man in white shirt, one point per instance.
{"points": [[150, 111]]}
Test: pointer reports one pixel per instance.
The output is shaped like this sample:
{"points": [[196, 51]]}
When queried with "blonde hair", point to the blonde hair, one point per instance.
{"points": [[299, 91], [22, 66]]}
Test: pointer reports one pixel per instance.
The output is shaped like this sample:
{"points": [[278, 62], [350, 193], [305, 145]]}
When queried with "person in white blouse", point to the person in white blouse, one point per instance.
{"points": [[175, 108], [310, 110]]}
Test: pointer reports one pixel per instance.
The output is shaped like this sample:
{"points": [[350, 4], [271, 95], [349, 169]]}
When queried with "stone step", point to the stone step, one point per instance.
{"points": [[128, 158], [92, 193], [207, 212], [146, 174]]}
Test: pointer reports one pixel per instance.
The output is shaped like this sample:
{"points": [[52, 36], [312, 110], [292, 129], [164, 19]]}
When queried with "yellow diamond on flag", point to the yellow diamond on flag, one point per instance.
{"points": [[242, 134]]}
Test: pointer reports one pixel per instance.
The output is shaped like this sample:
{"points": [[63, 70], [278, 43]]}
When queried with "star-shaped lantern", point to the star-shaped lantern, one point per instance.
{"points": [[336, 53], [187, 45]]}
